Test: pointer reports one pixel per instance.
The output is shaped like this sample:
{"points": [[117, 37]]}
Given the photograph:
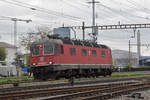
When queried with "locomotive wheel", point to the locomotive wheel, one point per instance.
{"points": [[36, 76], [110, 73], [44, 77], [105, 73]]}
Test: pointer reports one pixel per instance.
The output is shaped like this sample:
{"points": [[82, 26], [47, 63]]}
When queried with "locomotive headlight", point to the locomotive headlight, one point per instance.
{"points": [[50, 62], [34, 64]]}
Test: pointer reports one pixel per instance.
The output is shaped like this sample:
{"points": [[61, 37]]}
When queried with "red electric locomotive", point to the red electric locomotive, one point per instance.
{"points": [[57, 57]]}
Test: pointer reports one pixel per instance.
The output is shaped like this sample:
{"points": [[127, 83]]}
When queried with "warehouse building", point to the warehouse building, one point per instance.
{"points": [[121, 58]]}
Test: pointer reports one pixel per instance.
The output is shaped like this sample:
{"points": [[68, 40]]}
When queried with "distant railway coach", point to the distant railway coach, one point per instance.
{"points": [[56, 58]]}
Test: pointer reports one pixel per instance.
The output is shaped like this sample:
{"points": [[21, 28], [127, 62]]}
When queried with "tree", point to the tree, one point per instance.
{"points": [[19, 60], [3, 54], [30, 37]]}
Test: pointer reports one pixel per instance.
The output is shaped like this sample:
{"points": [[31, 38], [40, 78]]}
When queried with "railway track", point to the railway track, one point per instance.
{"points": [[58, 93], [49, 85], [94, 92], [79, 92], [102, 94]]}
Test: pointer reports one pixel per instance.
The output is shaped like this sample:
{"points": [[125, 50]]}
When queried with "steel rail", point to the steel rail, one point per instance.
{"points": [[91, 92], [57, 91]]}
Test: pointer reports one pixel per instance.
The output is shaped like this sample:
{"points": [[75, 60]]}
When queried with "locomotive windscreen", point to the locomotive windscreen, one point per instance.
{"points": [[48, 49], [35, 50]]}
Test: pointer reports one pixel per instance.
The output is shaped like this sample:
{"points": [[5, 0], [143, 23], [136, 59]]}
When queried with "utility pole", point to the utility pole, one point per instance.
{"points": [[138, 46], [129, 52], [15, 29], [94, 33], [83, 29], [15, 36]]}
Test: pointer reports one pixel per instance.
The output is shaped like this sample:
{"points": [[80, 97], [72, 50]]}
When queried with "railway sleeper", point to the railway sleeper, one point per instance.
{"points": [[79, 94], [115, 93], [45, 93]]}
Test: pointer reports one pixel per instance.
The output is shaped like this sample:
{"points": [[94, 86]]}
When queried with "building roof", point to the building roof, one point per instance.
{"points": [[6, 45]]}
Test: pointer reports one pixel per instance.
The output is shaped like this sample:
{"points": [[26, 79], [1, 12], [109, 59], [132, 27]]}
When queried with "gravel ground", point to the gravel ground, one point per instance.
{"points": [[145, 95]]}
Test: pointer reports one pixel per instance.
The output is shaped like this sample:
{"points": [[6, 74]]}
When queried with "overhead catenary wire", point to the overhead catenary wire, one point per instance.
{"points": [[32, 7], [138, 5], [4, 19], [74, 6], [82, 3], [44, 9], [122, 13], [127, 15], [123, 4], [111, 10], [114, 10]]}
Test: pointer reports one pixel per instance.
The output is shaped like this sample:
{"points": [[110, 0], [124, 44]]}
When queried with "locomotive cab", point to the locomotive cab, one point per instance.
{"points": [[44, 53]]}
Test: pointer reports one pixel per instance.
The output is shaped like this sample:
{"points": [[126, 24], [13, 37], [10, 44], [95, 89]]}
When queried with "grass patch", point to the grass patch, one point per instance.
{"points": [[127, 74], [63, 80], [15, 79]]}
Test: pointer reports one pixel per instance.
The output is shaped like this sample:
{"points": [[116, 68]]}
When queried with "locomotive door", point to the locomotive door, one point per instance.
{"points": [[61, 50], [89, 56]]}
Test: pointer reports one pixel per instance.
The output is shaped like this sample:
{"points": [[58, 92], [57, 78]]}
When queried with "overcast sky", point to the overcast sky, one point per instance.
{"points": [[54, 13]]}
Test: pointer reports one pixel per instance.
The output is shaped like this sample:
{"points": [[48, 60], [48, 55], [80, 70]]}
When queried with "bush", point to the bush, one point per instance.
{"points": [[3, 54], [128, 66]]}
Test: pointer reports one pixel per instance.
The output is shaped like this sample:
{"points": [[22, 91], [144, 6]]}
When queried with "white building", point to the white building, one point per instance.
{"points": [[9, 69], [10, 50]]}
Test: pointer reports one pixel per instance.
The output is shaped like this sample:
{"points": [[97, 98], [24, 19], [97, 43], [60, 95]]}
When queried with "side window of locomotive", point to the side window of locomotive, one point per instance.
{"points": [[56, 49], [35, 50], [103, 53], [72, 51], [84, 52], [48, 49], [62, 49], [93, 52]]}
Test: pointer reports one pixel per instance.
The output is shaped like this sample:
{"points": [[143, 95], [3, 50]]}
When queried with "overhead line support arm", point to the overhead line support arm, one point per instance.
{"points": [[109, 27]]}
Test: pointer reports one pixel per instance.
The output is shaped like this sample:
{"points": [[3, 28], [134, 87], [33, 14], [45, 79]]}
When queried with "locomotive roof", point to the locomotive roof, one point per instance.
{"points": [[71, 42], [48, 41], [84, 43]]}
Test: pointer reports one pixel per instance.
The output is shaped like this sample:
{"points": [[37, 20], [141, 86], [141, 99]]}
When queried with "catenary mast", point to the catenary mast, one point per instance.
{"points": [[94, 33]]}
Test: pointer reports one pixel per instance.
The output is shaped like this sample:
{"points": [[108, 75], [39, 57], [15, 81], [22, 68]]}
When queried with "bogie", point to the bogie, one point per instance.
{"points": [[44, 74]]}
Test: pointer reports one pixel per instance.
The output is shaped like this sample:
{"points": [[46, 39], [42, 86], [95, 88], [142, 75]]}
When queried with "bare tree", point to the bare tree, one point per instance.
{"points": [[44, 31], [30, 37]]}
